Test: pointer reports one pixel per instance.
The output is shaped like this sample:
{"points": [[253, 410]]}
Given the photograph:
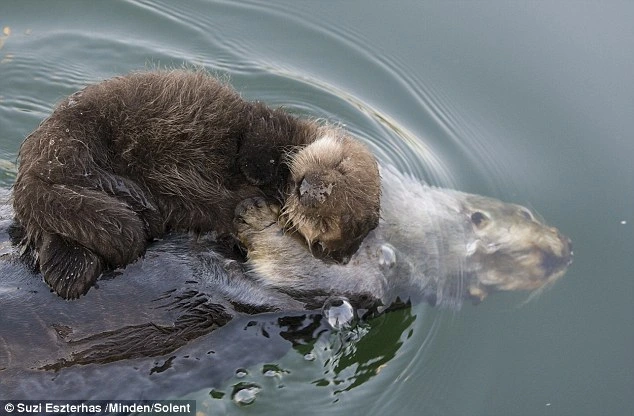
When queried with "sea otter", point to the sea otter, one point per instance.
{"points": [[121, 162], [177, 305], [452, 246]]}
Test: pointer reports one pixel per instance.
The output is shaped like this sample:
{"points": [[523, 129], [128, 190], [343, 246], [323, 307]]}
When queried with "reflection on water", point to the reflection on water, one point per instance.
{"points": [[526, 102], [352, 358], [342, 360]]}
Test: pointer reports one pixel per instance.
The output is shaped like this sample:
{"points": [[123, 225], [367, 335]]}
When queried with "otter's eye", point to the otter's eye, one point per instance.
{"points": [[478, 218], [526, 213]]}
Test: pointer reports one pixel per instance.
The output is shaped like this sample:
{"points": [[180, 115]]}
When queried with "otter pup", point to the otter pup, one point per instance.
{"points": [[121, 162]]}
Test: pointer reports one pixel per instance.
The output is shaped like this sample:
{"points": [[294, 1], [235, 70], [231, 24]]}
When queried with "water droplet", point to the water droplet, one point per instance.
{"points": [[67, 130], [338, 312], [387, 256], [245, 393]]}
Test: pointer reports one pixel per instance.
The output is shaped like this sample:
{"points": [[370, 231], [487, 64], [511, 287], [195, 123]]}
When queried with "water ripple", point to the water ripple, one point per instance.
{"points": [[404, 119]]}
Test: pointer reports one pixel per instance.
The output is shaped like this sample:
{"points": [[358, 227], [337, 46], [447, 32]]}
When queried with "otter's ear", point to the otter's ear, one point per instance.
{"points": [[259, 165]]}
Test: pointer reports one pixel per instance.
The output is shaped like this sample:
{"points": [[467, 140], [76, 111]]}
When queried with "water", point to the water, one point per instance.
{"points": [[530, 102]]}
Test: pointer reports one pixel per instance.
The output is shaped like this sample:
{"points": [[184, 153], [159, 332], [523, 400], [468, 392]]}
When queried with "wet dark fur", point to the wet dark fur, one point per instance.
{"points": [[123, 161]]}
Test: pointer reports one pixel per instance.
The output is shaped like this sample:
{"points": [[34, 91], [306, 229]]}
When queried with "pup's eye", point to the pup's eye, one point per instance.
{"points": [[478, 218]]}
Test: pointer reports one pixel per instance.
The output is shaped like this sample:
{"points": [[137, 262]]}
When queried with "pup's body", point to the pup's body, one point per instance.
{"points": [[121, 162]]}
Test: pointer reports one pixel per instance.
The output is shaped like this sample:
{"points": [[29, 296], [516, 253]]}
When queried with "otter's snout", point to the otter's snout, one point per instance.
{"points": [[313, 191], [552, 263]]}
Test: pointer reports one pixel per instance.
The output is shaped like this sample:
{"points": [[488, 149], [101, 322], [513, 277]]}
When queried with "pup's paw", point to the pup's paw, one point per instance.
{"points": [[255, 214], [68, 268]]}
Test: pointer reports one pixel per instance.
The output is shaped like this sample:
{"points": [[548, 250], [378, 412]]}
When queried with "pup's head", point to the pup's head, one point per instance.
{"points": [[333, 195]]}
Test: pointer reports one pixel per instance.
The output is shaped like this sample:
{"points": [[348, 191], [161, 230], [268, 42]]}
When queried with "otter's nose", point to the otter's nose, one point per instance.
{"points": [[313, 191]]}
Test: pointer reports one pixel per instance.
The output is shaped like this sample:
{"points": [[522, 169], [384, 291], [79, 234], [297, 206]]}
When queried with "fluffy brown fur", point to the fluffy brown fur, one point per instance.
{"points": [[123, 161]]}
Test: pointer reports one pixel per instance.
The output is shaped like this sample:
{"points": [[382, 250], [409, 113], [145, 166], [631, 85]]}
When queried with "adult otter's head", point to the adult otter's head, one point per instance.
{"points": [[333, 194], [510, 249]]}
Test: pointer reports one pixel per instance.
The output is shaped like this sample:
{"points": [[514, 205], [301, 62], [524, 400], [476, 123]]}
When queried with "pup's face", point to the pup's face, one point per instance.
{"points": [[333, 195]]}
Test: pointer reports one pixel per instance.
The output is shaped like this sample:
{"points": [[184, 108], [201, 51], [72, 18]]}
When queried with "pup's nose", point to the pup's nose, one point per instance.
{"points": [[313, 191]]}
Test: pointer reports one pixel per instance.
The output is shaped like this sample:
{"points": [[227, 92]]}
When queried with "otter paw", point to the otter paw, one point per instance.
{"points": [[255, 214], [68, 268]]}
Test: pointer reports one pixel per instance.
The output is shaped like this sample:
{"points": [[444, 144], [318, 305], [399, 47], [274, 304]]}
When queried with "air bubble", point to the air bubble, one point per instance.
{"points": [[241, 373], [309, 356], [338, 312], [387, 256]]}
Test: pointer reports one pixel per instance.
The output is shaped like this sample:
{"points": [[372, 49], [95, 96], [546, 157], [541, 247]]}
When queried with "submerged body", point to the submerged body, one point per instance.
{"points": [[433, 245], [121, 162]]}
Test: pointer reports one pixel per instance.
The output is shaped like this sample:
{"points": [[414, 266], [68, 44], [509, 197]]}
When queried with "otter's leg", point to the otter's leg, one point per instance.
{"points": [[77, 232], [271, 253]]}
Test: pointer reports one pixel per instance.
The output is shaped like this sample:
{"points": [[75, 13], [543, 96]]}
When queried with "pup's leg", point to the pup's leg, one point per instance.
{"points": [[69, 268], [77, 232]]}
